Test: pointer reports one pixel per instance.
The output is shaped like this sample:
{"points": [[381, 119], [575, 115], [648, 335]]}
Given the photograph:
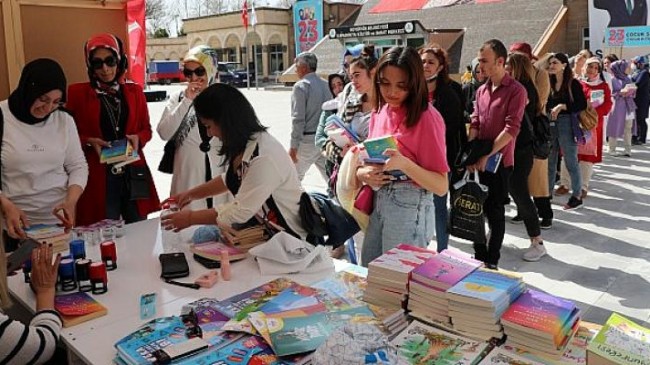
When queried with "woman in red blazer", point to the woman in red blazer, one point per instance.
{"points": [[107, 109]]}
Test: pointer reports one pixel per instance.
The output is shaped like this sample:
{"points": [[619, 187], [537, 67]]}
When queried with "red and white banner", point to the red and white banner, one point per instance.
{"points": [[137, 40]]}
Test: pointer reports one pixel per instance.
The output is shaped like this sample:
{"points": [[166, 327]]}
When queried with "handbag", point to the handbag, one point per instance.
{"points": [[167, 162], [588, 118], [363, 206], [466, 218], [540, 130], [138, 178]]}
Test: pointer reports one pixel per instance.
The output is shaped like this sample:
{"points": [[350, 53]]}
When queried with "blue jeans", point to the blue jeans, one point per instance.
{"points": [[442, 216], [562, 133], [403, 213]]}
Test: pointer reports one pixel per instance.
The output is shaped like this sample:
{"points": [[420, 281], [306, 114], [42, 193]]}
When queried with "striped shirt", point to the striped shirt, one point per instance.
{"points": [[33, 344]]}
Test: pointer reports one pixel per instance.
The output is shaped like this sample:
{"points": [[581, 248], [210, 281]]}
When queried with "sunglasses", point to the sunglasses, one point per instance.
{"points": [[199, 71], [97, 63]]}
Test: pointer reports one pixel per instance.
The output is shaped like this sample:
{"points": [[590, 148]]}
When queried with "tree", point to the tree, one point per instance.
{"points": [[161, 33], [155, 13]]}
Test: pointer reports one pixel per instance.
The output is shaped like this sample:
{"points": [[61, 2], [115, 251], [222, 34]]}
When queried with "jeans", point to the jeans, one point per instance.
{"points": [[562, 134], [495, 212], [308, 154], [118, 202], [518, 188], [442, 216], [403, 213]]}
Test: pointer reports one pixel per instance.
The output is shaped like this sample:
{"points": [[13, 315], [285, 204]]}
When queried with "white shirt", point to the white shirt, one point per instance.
{"points": [[189, 160], [39, 163], [271, 173]]}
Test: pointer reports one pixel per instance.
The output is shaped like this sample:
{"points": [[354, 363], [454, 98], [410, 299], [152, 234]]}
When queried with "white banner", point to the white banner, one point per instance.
{"points": [[619, 14]]}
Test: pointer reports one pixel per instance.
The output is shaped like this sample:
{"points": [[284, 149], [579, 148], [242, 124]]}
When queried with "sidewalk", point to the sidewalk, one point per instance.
{"points": [[598, 255]]}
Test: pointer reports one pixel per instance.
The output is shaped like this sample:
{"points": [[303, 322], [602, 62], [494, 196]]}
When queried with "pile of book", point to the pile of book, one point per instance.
{"points": [[430, 281], [477, 302], [541, 323], [53, 234], [620, 342], [389, 274], [120, 150]]}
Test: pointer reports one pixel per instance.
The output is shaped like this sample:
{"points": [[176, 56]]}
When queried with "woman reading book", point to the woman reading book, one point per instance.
{"points": [[34, 343], [403, 210], [260, 174], [189, 147], [43, 169], [108, 109]]}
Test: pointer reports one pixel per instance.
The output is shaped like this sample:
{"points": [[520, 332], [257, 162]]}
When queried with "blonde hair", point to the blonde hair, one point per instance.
{"points": [[5, 300]]}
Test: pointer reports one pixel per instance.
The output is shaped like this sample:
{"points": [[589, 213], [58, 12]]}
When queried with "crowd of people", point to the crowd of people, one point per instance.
{"points": [[228, 171]]}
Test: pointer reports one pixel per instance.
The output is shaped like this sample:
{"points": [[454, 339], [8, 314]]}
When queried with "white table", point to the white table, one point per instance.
{"points": [[137, 273]]}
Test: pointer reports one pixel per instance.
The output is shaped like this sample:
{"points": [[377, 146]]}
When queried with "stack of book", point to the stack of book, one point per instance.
{"points": [[214, 250], [429, 282], [53, 234], [620, 342], [248, 237], [388, 275], [477, 302], [422, 344], [541, 323], [120, 150], [391, 321]]}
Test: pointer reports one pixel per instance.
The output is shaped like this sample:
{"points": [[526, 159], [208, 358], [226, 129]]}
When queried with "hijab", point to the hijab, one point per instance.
{"points": [[207, 57], [37, 78], [114, 44], [618, 71]]}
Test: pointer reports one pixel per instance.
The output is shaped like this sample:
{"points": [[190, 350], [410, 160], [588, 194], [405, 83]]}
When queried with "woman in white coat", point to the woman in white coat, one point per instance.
{"points": [[190, 149]]}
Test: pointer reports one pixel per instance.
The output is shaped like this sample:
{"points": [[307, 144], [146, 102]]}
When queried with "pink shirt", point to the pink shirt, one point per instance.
{"points": [[499, 110], [423, 143]]}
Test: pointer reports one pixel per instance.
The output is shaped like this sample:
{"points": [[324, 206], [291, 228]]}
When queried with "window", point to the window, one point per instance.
{"points": [[230, 54], [585, 38], [275, 58]]}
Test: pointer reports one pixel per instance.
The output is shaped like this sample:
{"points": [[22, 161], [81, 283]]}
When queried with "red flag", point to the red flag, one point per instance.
{"points": [[244, 15], [137, 40]]}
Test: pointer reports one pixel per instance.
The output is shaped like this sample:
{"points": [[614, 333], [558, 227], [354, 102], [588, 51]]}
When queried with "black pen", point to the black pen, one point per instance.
{"points": [[186, 285]]}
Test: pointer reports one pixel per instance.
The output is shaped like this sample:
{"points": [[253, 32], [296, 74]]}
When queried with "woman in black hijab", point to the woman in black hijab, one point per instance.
{"points": [[43, 170]]}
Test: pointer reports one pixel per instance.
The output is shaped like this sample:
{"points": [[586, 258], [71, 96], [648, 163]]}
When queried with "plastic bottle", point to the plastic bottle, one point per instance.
{"points": [[171, 241]]}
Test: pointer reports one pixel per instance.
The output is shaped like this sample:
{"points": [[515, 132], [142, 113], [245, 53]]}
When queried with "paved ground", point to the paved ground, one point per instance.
{"points": [[598, 255]]}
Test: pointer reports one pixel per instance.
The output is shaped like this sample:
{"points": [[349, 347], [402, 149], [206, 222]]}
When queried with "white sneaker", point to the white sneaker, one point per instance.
{"points": [[534, 252]]}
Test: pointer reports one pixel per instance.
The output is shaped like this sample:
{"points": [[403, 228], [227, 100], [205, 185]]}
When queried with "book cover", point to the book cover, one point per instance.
{"points": [[78, 307], [343, 290], [240, 305], [375, 147], [493, 162], [295, 297], [43, 231], [545, 314], [445, 269], [297, 335], [340, 137], [137, 347], [621, 341], [500, 356], [425, 345], [335, 120], [486, 288], [206, 310], [403, 259], [212, 250], [119, 150]]}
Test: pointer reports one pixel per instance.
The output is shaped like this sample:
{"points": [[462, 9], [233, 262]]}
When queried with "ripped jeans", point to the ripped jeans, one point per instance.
{"points": [[403, 213]]}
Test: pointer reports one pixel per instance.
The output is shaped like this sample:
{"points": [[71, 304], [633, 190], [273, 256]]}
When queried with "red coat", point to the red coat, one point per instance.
{"points": [[83, 103], [602, 110]]}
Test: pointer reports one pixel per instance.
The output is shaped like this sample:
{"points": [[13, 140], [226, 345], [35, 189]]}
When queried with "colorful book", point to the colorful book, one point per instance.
{"points": [[500, 356], [542, 315], [207, 311], [120, 150], [487, 288], [425, 345], [335, 120], [213, 251], [398, 262], [43, 231], [240, 305], [375, 148], [297, 297], [138, 346], [445, 269], [76, 308], [343, 290], [620, 342]]}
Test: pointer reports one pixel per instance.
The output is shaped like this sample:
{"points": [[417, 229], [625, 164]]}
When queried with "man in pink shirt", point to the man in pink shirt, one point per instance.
{"points": [[497, 117]]}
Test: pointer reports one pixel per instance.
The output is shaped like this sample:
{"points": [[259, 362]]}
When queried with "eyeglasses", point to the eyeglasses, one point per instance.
{"points": [[199, 71], [97, 63]]}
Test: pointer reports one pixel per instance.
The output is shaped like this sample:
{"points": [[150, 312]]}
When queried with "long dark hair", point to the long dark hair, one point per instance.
{"points": [[522, 70], [228, 108], [567, 75], [407, 60], [441, 55]]}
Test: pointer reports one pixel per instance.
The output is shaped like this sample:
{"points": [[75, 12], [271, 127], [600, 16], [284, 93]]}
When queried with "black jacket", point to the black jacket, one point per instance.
{"points": [[618, 15], [448, 103]]}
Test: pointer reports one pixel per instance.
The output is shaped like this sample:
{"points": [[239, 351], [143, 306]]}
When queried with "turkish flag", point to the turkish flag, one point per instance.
{"points": [[137, 40], [244, 15]]}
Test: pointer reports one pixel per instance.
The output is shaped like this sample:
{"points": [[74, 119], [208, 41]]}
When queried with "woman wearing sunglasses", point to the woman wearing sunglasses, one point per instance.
{"points": [[190, 153], [106, 109]]}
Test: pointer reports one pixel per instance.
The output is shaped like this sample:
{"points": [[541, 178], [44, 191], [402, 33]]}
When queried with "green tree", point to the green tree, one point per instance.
{"points": [[161, 33]]}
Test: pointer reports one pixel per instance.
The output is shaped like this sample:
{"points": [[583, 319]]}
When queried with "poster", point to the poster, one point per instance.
{"points": [[307, 24], [386, 6], [618, 26]]}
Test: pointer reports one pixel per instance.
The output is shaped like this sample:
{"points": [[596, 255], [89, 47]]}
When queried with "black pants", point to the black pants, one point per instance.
{"points": [[544, 209], [495, 213], [641, 124], [518, 189], [118, 203]]}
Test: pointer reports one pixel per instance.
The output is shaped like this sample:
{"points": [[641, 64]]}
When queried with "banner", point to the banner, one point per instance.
{"points": [[617, 23], [307, 24], [137, 40], [389, 6]]}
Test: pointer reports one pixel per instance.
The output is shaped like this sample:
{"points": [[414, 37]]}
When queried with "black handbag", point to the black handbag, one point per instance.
{"points": [[540, 130], [173, 265], [167, 162], [138, 178], [466, 218]]}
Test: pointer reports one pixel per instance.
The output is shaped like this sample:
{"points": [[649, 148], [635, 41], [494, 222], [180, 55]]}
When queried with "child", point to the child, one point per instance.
{"points": [[403, 210]]}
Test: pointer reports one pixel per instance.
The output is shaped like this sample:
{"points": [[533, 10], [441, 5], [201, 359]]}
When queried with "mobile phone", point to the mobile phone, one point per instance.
{"points": [[21, 254]]}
